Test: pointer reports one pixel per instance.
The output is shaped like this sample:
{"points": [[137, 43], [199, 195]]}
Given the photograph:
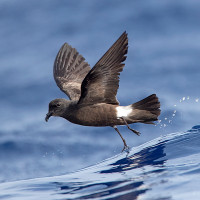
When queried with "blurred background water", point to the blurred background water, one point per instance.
{"points": [[163, 58]]}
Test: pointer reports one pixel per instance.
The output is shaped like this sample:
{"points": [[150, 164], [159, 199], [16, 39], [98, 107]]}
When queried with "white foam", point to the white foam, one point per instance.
{"points": [[123, 111]]}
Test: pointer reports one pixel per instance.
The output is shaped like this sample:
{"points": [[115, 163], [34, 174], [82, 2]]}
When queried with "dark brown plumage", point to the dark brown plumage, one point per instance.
{"points": [[92, 92], [69, 71], [104, 76]]}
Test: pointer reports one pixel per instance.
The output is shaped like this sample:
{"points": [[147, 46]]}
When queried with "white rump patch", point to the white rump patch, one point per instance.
{"points": [[123, 111]]}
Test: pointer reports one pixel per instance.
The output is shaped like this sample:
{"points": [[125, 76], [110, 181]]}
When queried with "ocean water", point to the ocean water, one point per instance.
{"points": [[165, 168], [39, 160]]}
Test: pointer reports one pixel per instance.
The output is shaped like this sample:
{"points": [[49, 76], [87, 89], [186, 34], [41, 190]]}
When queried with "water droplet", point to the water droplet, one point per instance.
{"points": [[197, 100], [164, 125], [175, 105], [188, 98], [165, 118], [183, 98]]}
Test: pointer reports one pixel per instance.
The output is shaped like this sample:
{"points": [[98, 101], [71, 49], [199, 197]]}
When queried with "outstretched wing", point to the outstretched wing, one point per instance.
{"points": [[102, 82], [69, 71]]}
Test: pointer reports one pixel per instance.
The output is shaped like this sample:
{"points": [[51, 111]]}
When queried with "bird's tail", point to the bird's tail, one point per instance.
{"points": [[145, 111]]}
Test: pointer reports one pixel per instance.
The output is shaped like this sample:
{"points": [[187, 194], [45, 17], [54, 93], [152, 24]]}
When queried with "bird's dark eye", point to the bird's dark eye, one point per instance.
{"points": [[54, 106]]}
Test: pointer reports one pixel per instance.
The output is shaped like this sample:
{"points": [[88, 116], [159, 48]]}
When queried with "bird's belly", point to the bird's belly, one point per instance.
{"points": [[95, 115]]}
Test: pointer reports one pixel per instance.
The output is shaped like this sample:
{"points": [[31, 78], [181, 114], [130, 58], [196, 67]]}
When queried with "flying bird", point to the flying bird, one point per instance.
{"points": [[92, 92]]}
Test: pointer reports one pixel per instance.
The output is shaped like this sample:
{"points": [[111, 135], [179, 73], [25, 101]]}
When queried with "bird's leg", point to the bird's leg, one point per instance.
{"points": [[134, 131], [126, 147]]}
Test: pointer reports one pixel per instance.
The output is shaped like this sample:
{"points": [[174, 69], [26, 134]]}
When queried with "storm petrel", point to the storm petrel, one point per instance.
{"points": [[92, 92]]}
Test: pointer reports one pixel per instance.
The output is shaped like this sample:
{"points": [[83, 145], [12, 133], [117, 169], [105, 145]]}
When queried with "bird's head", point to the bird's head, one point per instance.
{"points": [[57, 107]]}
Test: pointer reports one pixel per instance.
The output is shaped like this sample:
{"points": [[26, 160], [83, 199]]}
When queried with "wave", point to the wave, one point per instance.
{"points": [[167, 167]]}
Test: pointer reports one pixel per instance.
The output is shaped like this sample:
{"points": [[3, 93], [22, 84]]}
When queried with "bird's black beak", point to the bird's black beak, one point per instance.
{"points": [[48, 115]]}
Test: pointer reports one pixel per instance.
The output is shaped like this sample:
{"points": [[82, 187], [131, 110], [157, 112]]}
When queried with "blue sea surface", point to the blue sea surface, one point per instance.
{"points": [[165, 168], [39, 160]]}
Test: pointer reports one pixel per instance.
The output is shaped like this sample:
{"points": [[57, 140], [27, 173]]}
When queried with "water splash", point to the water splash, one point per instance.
{"points": [[169, 120]]}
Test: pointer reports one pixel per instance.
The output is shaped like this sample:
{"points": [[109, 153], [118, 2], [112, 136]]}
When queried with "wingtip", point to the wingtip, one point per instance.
{"points": [[124, 34], [65, 46]]}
